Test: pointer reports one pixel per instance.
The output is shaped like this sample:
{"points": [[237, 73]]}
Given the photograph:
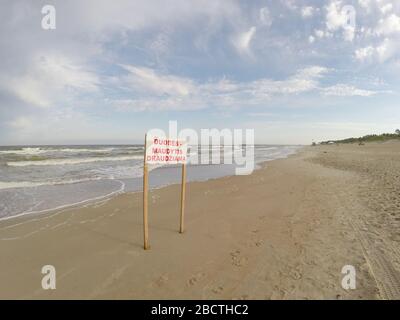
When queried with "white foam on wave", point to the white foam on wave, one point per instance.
{"points": [[79, 150], [35, 151], [19, 184], [119, 172], [31, 184], [58, 162], [266, 148], [65, 206], [23, 151], [39, 150]]}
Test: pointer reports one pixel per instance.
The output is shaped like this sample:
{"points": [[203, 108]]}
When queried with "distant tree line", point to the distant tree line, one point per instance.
{"points": [[367, 138]]}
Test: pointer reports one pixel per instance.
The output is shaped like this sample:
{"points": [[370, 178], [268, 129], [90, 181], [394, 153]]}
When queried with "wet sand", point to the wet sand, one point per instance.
{"points": [[284, 232]]}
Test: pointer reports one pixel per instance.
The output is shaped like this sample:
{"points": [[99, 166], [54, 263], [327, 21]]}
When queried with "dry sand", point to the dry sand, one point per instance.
{"points": [[284, 232]]}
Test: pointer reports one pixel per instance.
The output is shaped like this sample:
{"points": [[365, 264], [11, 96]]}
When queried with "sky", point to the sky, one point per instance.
{"points": [[294, 71]]}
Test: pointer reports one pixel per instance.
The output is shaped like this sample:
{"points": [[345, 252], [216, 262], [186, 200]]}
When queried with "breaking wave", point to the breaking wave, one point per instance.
{"points": [[58, 162]]}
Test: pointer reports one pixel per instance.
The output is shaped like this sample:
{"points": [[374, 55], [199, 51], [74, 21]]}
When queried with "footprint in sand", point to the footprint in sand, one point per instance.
{"points": [[193, 280], [218, 290], [254, 243], [237, 259], [296, 274], [258, 243], [161, 280]]}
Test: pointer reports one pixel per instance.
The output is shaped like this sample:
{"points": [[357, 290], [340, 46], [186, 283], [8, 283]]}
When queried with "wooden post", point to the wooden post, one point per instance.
{"points": [[183, 189], [145, 199]]}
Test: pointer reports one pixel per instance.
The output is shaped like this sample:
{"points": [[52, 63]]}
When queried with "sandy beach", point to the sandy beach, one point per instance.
{"points": [[284, 232]]}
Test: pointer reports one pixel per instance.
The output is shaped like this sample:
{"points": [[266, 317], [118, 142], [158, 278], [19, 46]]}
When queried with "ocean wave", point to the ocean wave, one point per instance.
{"points": [[79, 150], [39, 150], [19, 184], [31, 184], [72, 161], [266, 148], [35, 151], [63, 206], [23, 151], [135, 148]]}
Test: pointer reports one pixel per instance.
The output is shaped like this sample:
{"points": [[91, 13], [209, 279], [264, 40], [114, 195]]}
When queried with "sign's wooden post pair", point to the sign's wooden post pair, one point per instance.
{"points": [[159, 150]]}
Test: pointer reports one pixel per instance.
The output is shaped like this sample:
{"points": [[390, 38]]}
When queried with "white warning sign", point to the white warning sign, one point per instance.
{"points": [[161, 150]]}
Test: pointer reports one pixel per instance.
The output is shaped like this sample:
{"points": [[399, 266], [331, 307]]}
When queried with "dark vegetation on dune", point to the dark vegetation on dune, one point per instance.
{"points": [[368, 138]]}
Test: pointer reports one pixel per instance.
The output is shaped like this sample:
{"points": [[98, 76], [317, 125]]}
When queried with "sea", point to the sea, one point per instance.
{"points": [[39, 179]]}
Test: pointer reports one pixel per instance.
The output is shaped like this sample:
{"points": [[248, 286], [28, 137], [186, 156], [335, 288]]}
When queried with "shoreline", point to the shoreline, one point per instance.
{"points": [[111, 195], [283, 232]]}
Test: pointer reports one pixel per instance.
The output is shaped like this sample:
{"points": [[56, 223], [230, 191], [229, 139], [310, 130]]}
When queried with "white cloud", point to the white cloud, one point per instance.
{"points": [[93, 38], [50, 78], [42, 68], [102, 16], [261, 114], [389, 25], [303, 80], [147, 80], [343, 90], [55, 126], [386, 8], [290, 4], [340, 17], [363, 54], [376, 6], [307, 12], [387, 49], [312, 72], [334, 17], [365, 4], [243, 40], [169, 92], [348, 33], [170, 103], [319, 33], [265, 17]]}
